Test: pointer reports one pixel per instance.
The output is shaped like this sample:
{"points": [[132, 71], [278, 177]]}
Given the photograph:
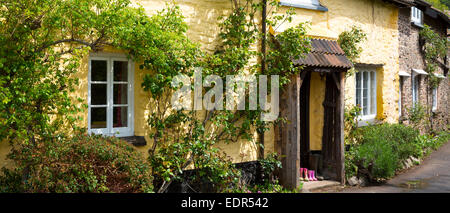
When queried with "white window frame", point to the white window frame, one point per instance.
{"points": [[110, 130], [417, 16], [415, 89], [434, 101], [307, 4], [400, 91], [370, 117]]}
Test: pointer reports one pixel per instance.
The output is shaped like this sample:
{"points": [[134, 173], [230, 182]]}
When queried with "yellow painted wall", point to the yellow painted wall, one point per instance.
{"points": [[316, 110], [376, 18]]}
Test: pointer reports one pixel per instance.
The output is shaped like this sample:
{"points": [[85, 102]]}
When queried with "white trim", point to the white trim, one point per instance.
{"points": [[403, 73], [419, 72], [440, 76], [110, 130], [434, 99], [415, 93], [370, 116], [417, 16]]}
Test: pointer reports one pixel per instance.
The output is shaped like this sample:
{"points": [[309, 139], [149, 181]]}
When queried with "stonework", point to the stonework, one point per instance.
{"points": [[412, 57]]}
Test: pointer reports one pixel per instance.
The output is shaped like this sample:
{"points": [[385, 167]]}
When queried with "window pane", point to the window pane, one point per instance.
{"points": [[120, 117], [120, 71], [373, 93], [98, 94], [98, 70], [98, 118], [120, 94], [358, 89], [365, 93]]}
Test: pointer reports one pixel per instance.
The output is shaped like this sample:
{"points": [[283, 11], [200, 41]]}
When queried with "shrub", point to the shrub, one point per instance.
{"points": [[79, 164], [380, 150]]}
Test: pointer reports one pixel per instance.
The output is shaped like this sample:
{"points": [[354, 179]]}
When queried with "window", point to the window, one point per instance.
{"points": [[434, 103], [110, 96], [415, 88], [366, 93], [308, 4], [400, 91], [416, 16]]}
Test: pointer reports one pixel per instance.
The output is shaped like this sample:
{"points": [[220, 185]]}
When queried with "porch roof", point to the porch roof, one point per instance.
{"points": [[325, 54]]}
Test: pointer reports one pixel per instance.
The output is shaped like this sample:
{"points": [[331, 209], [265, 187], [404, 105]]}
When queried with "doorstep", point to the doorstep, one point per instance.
{"points": [[312, 186]]}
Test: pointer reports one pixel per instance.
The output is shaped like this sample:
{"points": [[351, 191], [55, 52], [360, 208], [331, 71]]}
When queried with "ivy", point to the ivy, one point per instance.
{"points": [[43, 42], [350, 42], [434, 48]]}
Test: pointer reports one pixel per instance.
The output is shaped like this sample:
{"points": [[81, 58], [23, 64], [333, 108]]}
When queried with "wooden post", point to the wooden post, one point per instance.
{"points": [[289, 134], [339, 137]]}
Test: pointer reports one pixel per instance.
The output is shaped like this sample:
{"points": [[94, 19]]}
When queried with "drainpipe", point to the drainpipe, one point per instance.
{"points": [[263, 67]]}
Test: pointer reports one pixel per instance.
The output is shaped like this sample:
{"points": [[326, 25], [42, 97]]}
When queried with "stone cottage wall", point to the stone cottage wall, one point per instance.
{"points": [[411, 57]]}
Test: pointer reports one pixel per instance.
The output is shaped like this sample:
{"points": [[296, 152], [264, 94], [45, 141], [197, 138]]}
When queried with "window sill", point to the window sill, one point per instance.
{"points": [[305, 6], [135, 140], [417, 24]]}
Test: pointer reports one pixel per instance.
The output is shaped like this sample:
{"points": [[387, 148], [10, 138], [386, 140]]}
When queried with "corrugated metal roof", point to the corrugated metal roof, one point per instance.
{"points": [[325, 53]]}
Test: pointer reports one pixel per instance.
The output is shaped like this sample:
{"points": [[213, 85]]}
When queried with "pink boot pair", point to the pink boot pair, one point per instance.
{"points": [[307, 175]]}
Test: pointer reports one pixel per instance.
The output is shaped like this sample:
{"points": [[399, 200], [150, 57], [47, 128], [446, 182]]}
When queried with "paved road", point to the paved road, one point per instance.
{"points": [[432, 175]]}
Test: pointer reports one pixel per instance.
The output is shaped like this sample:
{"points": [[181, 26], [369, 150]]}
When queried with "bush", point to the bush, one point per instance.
{"points": [[380, 150], [79, 164]]}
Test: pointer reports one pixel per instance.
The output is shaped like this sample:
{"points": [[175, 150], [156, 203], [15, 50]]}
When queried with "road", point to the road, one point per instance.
{"points": [[432, 175]]}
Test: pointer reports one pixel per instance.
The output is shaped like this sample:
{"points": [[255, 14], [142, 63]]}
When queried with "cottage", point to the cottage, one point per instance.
{"points": [[414, 85], [314, 101]]}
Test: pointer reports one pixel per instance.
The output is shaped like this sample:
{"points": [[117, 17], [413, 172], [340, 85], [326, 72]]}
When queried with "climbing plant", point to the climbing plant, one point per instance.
{"points": [[350, 41], [43, 42], [434, 48]]}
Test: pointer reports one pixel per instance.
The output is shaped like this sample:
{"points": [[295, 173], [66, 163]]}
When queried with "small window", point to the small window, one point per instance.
{"points": [[434, 95], [366, 93], [308, 4], [110, 95], [416, 16], [400, 91], [415, 89]]}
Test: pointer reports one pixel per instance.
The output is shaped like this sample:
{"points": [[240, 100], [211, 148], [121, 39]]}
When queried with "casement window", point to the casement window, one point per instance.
{"points": [[402, 76], [415, 89], [366, 93], [110, 96], [416, 16], [434, 101], [400, 92], [308, 4]]}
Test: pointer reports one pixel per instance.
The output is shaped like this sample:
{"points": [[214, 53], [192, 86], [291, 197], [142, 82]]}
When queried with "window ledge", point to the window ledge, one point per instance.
{"points": [[417, 24], [305, 6], [135, 140]]}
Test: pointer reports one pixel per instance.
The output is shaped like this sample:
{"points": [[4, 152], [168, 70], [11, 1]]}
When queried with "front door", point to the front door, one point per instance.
{"points": [[110, 96]]}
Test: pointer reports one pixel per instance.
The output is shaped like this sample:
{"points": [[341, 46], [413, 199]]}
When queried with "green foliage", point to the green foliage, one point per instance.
{"points": [[435, 48], [79, 164], [42, 43], [380, 149], [417, 115], [351, 114], [185, 139], [440, 4], [268, 183], [350, 42]]}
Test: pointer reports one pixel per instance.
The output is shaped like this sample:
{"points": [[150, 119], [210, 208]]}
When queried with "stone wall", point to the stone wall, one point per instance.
{"points": [[411, 57]]}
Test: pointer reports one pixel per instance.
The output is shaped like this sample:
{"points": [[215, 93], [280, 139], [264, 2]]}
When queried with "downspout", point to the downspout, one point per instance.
{"points": [[263, 68]]}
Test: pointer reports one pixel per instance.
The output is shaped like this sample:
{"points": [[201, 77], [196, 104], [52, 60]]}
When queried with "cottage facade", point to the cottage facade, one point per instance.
{"points": [[312, 110], [414, 80]]}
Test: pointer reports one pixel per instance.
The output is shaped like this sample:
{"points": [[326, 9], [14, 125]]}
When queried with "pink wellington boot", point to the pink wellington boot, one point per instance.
{"points": [[301, 174], [313, 175], [306, 174]]}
